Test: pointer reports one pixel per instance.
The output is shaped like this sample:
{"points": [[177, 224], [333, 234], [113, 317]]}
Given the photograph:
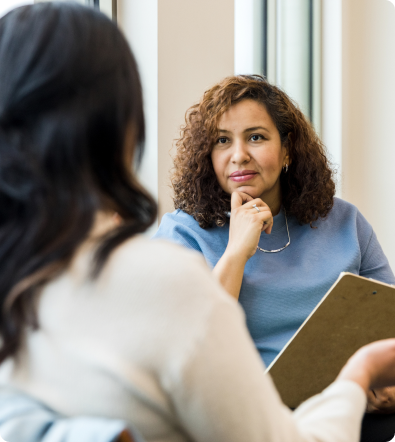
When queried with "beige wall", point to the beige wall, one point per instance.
{"points": [[369, 114], [195, 50]]}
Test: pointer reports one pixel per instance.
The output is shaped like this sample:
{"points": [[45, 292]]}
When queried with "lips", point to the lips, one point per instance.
{"points": [[242, 175]]}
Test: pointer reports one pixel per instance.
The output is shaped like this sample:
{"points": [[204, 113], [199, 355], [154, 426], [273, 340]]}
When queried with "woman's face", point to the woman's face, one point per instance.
{"points": [[248, 155]]}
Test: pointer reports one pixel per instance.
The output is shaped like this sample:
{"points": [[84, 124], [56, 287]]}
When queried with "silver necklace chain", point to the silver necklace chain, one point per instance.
{"points": [[282, 248]]}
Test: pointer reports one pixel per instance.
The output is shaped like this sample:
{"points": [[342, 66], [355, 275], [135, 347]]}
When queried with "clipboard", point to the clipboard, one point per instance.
{"points": [[354, 312]]}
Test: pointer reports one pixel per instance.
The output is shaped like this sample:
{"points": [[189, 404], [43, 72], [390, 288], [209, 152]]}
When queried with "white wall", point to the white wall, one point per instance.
{"points": [[195, 51], [182, 47], [369, 114], [7, 5]]}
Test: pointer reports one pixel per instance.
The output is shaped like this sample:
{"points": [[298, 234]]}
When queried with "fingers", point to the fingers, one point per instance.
{"points": [[266, 218], [246, 202], [371, 402], [384, 395], [239, 198], [268, 226], [381, 400]]}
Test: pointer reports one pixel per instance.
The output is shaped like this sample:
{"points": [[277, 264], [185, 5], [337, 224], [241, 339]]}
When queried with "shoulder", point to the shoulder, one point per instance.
{"points": [[181, 228], [342, 208], [151, 302], [178, 218], [344, 214], [347, 218], [164, 266], [156, 252], [170, 286]]}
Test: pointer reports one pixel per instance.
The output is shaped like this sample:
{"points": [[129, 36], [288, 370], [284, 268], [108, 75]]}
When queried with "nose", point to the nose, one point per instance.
{"points": [[240, 153]]}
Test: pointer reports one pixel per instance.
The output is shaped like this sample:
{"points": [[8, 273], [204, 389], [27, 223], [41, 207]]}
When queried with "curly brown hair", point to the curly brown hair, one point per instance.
{"points": [[307, 189]]}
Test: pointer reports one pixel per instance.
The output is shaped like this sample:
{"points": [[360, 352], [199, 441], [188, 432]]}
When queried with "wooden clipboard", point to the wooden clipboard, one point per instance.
{"points": [[354, 312]]}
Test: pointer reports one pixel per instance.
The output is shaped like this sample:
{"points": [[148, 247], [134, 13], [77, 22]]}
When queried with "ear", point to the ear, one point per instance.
{"points": [[286, 145]]}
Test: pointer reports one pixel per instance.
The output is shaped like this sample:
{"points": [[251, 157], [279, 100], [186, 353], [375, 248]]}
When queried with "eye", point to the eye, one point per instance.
{"points": [[222, 140], [257, 137]]}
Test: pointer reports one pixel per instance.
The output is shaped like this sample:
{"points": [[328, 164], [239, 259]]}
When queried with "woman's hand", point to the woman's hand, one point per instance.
{"points": [[247, 224], [381, 400], [372, 366]]}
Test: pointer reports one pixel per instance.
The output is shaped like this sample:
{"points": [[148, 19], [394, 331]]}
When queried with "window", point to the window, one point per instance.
{"points": [[281, 39], [7, 5]]}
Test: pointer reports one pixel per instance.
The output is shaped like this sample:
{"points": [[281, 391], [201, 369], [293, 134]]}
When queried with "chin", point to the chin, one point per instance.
{"points": [[249, 190]]}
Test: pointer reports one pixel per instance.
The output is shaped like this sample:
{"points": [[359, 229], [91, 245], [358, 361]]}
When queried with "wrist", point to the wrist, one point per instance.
{"points": [[236, 257], [356, 371]]}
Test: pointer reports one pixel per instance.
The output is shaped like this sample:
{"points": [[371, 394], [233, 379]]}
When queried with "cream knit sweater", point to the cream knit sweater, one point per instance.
{"points": [[157, 342]]}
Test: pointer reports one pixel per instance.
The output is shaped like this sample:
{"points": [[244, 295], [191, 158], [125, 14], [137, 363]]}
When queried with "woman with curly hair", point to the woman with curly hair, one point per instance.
{"points": [[254, 192]]}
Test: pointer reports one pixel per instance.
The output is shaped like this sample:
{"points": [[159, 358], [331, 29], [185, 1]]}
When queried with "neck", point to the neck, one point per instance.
{"points": [[275, 208], [274, 203], [105, 221]]}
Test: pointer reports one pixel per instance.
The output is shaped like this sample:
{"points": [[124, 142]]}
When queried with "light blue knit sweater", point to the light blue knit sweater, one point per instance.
{"points": [[280, 290]]}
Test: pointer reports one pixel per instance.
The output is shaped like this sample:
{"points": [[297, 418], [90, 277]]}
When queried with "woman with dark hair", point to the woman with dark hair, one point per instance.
{"points": [[95, 319], [254, 193]]}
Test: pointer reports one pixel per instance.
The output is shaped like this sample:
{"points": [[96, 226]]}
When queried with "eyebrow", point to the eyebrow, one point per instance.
{"points": [[250, 129]]}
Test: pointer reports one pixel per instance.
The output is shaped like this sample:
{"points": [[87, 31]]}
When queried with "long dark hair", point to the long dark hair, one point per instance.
{"points": [[69, 89]]}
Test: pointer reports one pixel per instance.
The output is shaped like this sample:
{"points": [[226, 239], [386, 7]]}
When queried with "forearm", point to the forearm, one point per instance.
{"points": [[229, 272], [380, 400], [355, 373], [333, 415], [229, 386]]}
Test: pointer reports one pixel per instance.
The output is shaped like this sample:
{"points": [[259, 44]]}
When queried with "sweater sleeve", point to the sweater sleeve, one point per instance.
{"points": [[374, 263], [222, 394], [178, 232]]}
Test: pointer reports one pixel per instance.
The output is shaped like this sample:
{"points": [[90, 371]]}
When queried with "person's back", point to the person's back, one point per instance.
{"points": [[94, 318], [123, 345]]}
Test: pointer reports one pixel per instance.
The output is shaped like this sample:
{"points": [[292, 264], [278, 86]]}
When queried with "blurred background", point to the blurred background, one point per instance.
{"points": [[335, 58]]}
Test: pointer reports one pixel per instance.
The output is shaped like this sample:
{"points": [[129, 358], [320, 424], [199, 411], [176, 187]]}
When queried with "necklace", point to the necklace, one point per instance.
{"points": [[282, 248]]}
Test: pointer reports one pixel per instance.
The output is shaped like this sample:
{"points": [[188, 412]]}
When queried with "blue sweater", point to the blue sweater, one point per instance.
{"points": [[23, 418], [280, 290]]}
